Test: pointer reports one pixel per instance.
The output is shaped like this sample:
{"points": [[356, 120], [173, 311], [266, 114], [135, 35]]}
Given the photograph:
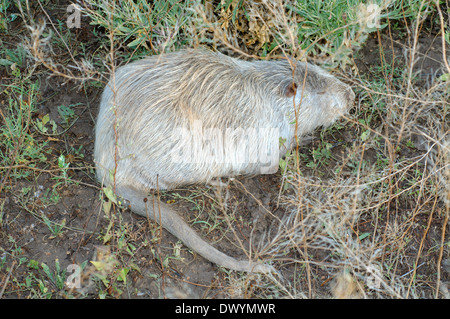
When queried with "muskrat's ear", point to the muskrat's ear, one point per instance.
{"points": [[290, 89]]}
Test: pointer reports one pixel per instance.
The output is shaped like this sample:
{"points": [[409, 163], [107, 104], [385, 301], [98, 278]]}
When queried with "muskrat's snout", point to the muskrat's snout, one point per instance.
{"points": [[339, 94], [344, 97], [349, 97]]}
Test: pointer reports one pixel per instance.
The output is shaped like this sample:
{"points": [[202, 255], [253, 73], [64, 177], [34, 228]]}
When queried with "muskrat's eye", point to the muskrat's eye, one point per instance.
{"points": [[290, 90]]}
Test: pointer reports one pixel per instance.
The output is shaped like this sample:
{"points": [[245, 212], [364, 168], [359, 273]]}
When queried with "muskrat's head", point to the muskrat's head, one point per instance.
{"points": [[319, 97]]}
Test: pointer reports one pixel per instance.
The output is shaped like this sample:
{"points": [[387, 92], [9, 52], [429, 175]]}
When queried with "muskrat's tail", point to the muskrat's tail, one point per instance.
{"points": [[170, 220]]}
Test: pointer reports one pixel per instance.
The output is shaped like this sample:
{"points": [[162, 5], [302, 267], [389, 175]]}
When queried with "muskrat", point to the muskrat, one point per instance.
{"points": [[194, 115]]}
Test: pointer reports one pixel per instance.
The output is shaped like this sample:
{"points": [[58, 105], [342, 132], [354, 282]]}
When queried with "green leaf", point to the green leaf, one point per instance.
{"points": [[47, 271], [99, 265], [444, 77], [124, 29], [122, 275], [110, 194], [5, 62], [363, 235], [62, 161], [135, 43], [33, 264], [283, 165], [45, 119], [365, 135]]}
